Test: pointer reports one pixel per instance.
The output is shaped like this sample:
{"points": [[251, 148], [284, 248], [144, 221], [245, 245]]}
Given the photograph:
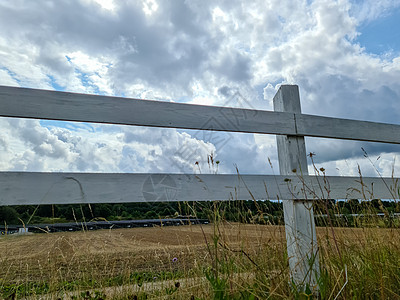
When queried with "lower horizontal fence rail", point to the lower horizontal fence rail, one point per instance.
{"points": [[27, 188]]}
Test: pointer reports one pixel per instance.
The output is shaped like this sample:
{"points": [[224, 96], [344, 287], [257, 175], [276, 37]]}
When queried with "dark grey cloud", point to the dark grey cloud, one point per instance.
{"points": [[346, 97], [235, 67], [331, 150], [169, 50]]}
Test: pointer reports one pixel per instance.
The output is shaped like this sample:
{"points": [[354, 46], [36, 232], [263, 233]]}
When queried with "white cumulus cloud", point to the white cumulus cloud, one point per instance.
{"points": [[199, 52]]}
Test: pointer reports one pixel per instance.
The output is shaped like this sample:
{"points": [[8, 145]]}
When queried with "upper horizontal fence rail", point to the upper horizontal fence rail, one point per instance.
{"points": [[42, 104], [53, 105]]}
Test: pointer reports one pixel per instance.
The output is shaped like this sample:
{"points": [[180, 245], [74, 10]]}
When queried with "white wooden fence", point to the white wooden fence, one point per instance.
{"points": [[287, 121]]}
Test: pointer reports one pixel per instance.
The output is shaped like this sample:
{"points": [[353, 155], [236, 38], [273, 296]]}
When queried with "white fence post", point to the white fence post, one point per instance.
{"points": [[299, 216]]}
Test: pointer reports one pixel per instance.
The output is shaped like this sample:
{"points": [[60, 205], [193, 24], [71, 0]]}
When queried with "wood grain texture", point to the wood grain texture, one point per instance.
{"points": [[27, 188]]}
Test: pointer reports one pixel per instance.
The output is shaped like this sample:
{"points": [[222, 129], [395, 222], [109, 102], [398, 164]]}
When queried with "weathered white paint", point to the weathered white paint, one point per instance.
{"points": [[300, 230], [31, 188], [42, 104]]}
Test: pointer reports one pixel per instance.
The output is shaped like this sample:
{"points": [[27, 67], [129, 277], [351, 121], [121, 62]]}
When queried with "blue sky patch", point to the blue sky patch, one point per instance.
{"points": [[381, 36], [72, 126], [55, 85], [12, 74]]}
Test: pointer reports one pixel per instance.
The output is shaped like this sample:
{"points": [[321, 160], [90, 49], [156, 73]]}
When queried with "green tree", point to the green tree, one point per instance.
{"points": [[8, 215]]}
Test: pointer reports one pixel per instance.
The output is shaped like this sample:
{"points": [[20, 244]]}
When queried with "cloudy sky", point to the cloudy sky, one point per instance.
{"points": [[344, 55]]}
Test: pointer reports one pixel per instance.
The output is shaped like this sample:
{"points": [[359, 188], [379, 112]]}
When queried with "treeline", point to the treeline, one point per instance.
{"points": [[238, 211], [242, 211], [355, 213]]}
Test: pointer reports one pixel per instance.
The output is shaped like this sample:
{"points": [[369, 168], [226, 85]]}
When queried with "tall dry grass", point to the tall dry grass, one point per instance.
{"points": [[216, 261], [222, 260]]}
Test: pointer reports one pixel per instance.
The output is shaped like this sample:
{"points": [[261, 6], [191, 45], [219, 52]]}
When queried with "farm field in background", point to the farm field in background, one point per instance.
{"points": [[215, 261]]}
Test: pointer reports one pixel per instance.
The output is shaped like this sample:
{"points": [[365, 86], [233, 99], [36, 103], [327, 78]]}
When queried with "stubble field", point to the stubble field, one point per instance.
{"points": [[234, 261]]}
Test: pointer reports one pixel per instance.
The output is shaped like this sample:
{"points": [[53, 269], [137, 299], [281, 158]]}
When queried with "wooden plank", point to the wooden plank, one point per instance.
{"points": [[301, 237], [316, 126], [28, 188], [42, 104]]}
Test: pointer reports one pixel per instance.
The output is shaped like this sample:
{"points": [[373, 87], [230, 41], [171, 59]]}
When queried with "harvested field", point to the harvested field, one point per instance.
{"points": [[146, 259], [107, 250]]}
